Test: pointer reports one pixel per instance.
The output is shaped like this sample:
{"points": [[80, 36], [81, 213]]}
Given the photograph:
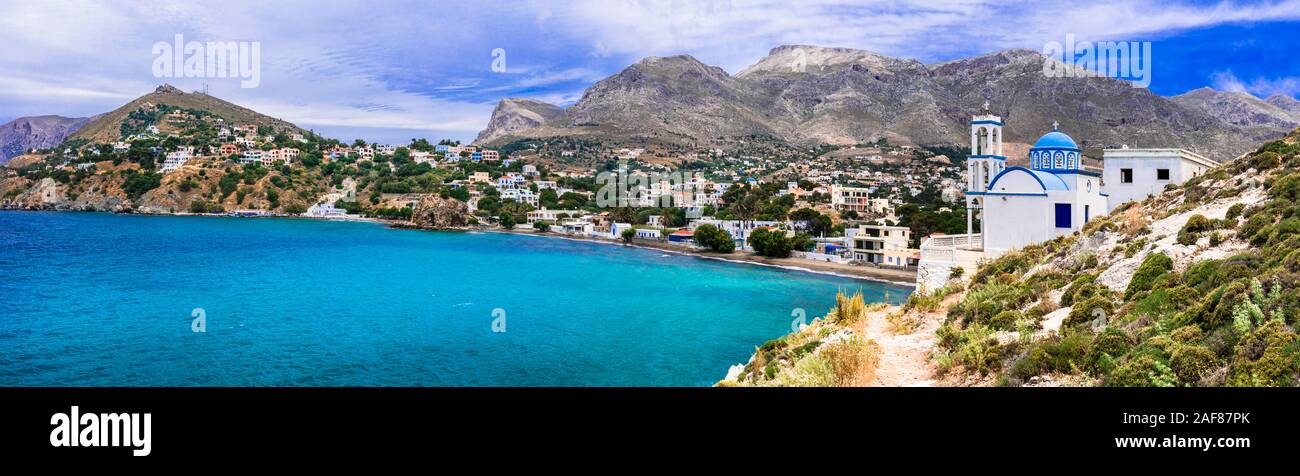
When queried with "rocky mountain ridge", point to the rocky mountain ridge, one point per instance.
{"points": [[815, 95]]}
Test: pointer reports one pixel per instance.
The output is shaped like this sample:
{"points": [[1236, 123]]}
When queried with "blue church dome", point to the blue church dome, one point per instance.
{"points": [[1056, 139], [1055, 151]]}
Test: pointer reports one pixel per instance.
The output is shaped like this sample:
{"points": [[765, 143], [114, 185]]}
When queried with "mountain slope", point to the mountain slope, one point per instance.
{"points": [[1241, 109], [808, 95], [106, 127], [518, 114], [38, 132], [1286, 103]]}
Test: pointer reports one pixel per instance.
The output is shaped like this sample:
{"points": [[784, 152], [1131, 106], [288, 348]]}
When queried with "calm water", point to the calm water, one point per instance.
{"points": [[98, 299]]}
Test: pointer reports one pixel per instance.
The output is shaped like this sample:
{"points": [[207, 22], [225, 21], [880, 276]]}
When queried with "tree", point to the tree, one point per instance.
{"points": [[628, 234], [714, 239], [772, 244], [137, 184], [507, 221], [548, 199]]}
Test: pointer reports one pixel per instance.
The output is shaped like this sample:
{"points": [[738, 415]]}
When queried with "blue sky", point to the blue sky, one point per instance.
{"points": [[394, 70]]}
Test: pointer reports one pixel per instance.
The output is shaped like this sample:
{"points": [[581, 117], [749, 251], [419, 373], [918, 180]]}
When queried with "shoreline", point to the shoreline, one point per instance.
{"points": [[892, 277]]}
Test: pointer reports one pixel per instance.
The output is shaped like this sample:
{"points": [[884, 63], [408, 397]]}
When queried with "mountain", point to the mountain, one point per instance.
{"points": [[39, 132], [1286, 103], [1241, 109], [816, 95], [517, 114], [107, 127]]}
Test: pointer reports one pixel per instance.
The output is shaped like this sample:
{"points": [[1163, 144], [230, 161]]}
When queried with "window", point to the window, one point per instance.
{"points": [[1162, 174], [1063, 215], [1125, 175]]}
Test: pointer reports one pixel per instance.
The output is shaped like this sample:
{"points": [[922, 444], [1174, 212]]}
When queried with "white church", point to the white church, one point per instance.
{"points": [[1055, 195]]}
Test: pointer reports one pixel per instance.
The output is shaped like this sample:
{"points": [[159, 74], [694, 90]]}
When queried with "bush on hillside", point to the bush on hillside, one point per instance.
{"points": [[1155, 266]]}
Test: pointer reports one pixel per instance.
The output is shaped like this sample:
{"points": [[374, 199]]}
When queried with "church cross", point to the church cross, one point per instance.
{"points": [[1055, 125]]}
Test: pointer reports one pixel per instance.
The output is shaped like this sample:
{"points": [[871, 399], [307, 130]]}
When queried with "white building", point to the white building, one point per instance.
{"points": [[521, 195], [1022, 206], [854, 199], [251, 156], [325, 210], [174, 160], [883, 245], [1135, 174]]}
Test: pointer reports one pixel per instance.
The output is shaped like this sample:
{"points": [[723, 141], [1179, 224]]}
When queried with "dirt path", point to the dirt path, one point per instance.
{"points": [[904, 359]]}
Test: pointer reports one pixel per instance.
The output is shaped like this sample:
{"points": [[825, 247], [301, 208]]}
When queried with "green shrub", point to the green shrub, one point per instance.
{"points": [[1266, 357], [1034, 362], [1142, 372], [1155, 266], [977, 349], [1187, 334], [1086, 311], [1081, 288], [1202, 275], [1234, 211], [809, 371], [1196, 224], [1111, 342], [1005, 320], [1225, 302], [1256, 223], [1287, 188], [1192, 362]]}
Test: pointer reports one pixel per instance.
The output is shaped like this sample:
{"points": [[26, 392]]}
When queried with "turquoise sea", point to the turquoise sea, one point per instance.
{"points": [[93, 299]]}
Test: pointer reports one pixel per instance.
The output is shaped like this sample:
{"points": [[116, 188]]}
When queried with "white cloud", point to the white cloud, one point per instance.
{"points": [[420, 66], [735, 34], [1262, 87]]}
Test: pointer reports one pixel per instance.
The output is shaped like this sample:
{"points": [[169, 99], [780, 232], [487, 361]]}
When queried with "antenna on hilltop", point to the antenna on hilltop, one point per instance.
{"points": [[205, 89]]}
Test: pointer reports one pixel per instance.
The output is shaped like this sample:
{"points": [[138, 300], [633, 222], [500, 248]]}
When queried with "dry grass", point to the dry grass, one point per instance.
{"points": [[1132, 221], [848, 309], [854, 361]]}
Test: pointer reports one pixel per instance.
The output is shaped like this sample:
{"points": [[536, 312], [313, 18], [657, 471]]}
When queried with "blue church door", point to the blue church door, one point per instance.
{"points": [[1063, 215], [1086, 208]]}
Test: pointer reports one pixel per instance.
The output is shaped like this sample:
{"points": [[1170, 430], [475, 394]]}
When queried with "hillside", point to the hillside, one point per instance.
{"points": [[1242, 109], [40, 132], [106, 127], [815, 95], [1193, 287], [518, 114]]}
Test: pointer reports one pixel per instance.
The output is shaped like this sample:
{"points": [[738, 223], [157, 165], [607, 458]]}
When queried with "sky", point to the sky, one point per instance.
{"points": [[393, 70]]}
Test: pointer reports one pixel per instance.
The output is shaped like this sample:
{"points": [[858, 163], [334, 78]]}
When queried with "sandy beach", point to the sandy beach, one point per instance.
{"points": [[893, 276]]}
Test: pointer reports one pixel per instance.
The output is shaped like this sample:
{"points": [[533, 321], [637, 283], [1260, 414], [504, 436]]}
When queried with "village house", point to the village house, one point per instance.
{"points": [[521, 195], [854, 199], [1135, 174], [883, 245]]}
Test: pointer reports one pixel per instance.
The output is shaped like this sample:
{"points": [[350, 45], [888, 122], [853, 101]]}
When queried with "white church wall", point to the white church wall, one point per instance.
{"points": [[1013, 221]]}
